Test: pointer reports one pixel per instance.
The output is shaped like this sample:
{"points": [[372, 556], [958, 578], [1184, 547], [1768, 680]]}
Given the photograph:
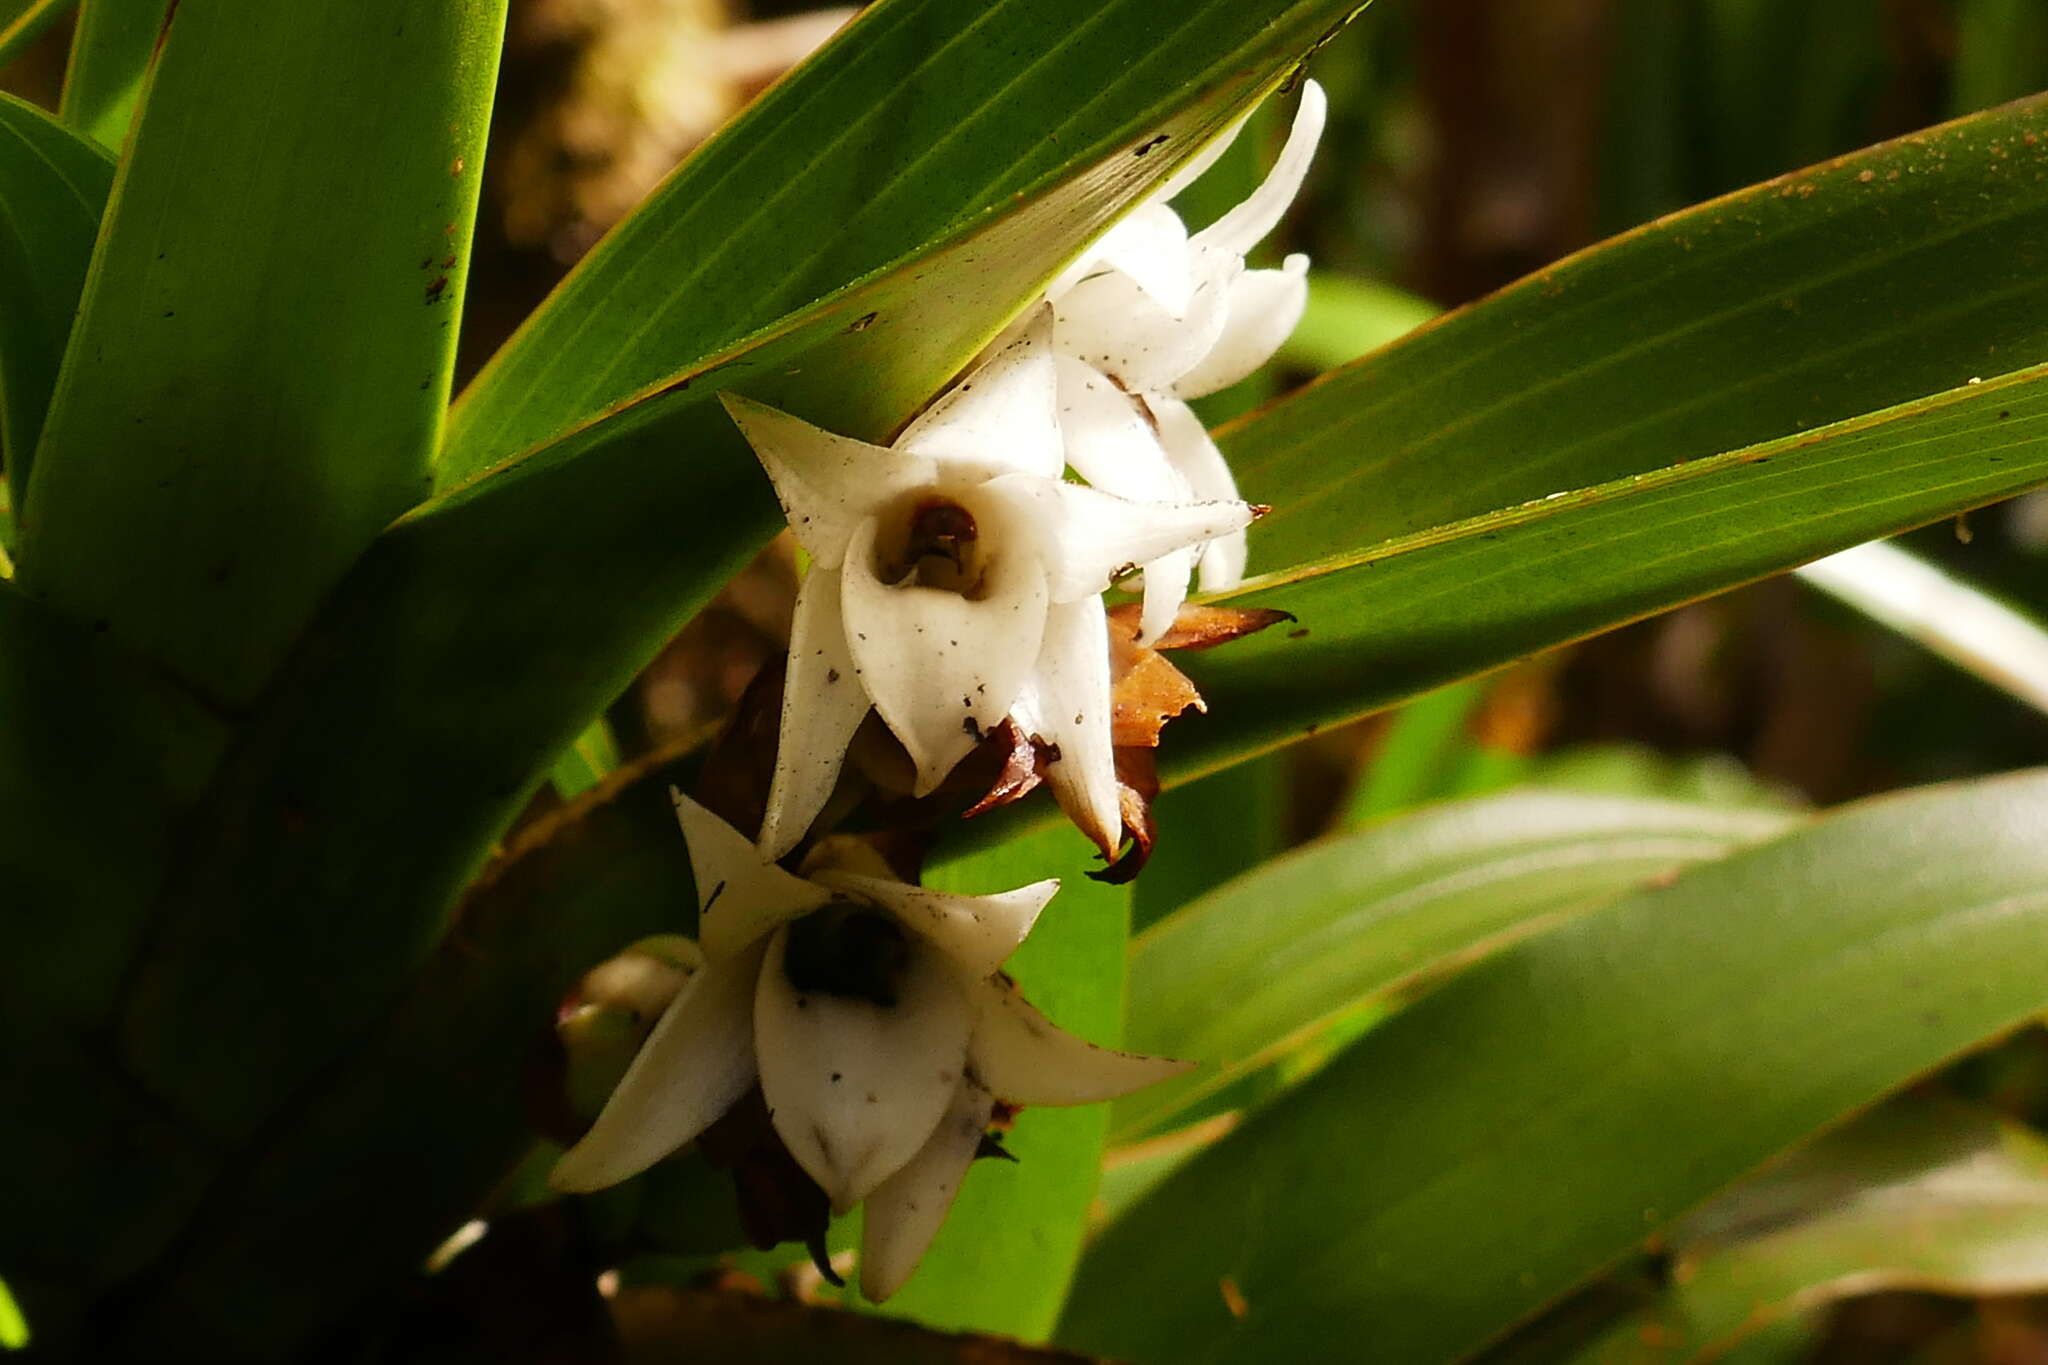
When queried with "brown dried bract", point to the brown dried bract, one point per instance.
{"points": [[1200, 627], [1146, 691]]}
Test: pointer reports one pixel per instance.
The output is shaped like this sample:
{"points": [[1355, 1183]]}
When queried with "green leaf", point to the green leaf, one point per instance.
{"points": [[568, 567], [919, 118], [1422, 743], [268, 328], [1004, 1258], [1926, 1195], [26, 23], [53, 188], [1532, 1120], [1397, 619], [2001, 52], [13, 1327], [1227, 823], [110, 55], [1895, 273], [1258, 967], [585, 763], [429, 1109]]}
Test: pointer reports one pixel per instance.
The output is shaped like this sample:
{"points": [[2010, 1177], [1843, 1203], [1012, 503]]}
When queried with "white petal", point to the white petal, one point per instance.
{"points": [[1264, 306], [942, 670], [1067, 703], [902, 1216], [855, 1088], [1109, 440], [822, 705], [698, 1060], [1197, 460], [1245, 226], [1166, 588], [999, 418], [1112, 324], [1089, 537], [740, 895], [827, 484], [1150, 245], [1023, 1057], [975, 933]]}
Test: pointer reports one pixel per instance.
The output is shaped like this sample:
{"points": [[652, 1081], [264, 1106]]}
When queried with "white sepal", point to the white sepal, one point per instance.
{"points": [[1023, 1057], [823, 703], [942, 669], [698, 1060], [1246, 225], [999, 419], [1110, 323], [740, 896], [1067, 703], [853, 1087], [1149, 245], [1196, 460], [975, 933], [1110, 441], [827, 484], [1264, 308], [904, 1213], [1090, 537]]}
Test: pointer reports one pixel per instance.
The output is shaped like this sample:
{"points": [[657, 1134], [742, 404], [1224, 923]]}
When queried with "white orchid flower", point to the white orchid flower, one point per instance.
{"points": [[1150, 317], [956, 582], [875, 1018]]}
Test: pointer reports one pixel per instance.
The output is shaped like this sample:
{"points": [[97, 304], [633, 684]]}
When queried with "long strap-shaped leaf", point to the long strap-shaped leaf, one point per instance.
{"points": [[1255, 968], [53, 188], [1531, 1121], [1898, 272], [1394, 620], [258, 374], [1921, 1194], [921, 116], [110, 54]]}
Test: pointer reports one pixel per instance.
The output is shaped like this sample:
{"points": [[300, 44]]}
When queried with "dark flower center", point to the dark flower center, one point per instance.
{"points": [[848, 950], [930, 540]]}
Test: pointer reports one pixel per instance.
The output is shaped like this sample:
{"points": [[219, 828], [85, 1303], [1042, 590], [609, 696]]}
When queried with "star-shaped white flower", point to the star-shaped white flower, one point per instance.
{"points": [[1150, 317], [878, 1025], [956, 582]]}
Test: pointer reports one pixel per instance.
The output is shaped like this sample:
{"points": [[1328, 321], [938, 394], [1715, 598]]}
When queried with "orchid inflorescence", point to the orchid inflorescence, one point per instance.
{"points": [[955, 595]]}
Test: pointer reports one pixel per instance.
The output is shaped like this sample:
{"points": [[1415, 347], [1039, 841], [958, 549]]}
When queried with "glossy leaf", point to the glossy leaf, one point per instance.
{"points": [[1537, 1116], [1774, 311], [1399, 618], [1256, 968], [110, 55], [53, 188], [1917, 1195], [268, 329], [919, 118]]}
